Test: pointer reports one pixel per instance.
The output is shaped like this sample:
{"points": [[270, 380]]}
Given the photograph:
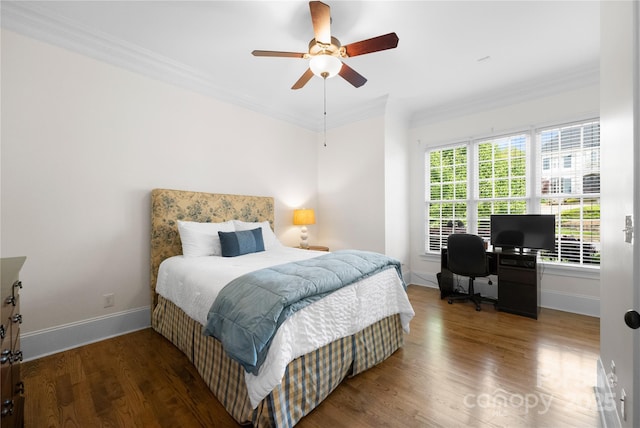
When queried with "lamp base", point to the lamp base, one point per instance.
{"points": [[303, 238]]}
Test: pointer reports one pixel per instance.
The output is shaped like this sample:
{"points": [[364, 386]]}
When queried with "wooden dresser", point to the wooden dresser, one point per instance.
{"points": [[12, 400]]}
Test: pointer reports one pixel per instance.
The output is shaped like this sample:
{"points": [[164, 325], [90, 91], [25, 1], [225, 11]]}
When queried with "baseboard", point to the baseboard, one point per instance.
{"points": [[574, 303], [607, 403], [52, 340], [424, 279]]}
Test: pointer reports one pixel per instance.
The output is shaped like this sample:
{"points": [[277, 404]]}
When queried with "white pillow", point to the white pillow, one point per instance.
{"points": [[201, 239], [269, 238]]}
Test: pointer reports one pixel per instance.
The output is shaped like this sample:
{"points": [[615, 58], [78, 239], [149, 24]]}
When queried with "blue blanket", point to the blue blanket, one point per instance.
{"points": [[249, 310]]}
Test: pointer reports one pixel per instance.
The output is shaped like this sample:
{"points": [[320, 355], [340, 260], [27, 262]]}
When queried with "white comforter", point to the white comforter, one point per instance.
{"points": [[192, 283]]}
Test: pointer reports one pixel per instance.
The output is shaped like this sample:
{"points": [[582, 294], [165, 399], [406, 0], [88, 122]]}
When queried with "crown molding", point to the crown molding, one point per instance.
{"points": [[373, 108], [29, 19], [526, 91]]}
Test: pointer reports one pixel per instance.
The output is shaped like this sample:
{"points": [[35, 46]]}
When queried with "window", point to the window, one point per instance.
{"points": [[468, 182], [501, 179], [446, 194], [576, 204]]}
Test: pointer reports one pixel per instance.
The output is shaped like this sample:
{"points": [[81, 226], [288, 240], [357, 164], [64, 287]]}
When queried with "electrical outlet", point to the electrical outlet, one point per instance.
{"points": [[108, 300]]}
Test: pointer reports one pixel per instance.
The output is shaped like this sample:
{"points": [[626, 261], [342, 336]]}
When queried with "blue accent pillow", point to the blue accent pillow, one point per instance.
{"points": [[241, 242]]}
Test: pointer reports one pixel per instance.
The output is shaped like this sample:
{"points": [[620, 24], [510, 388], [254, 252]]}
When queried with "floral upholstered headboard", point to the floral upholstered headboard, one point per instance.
{"points": [[169, 206]]}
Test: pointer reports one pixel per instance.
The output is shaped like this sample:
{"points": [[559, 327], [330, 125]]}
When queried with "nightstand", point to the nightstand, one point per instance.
{"points": [[318, 248]]}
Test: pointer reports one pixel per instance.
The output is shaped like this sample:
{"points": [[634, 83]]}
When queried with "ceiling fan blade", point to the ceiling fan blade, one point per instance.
{"points": [[278, 54], [321, 19], [380, 43], [352, 76], [303, 79]]}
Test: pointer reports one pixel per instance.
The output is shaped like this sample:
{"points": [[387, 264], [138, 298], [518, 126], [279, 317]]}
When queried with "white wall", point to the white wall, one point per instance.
{"points": [[396, 174], [83, 143], [363, 185], [350, 179], [577, 291]]}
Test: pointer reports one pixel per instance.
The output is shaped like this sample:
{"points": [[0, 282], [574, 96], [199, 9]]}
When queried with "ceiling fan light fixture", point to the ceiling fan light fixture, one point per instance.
{"points": [[325, 65], [325, 51]]}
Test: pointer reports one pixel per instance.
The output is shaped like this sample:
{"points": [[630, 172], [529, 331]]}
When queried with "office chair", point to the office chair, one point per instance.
{"points": [[466, 256]]}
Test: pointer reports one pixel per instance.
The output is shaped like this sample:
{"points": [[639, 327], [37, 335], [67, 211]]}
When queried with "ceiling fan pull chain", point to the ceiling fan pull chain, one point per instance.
{"points": [[325, 111]]}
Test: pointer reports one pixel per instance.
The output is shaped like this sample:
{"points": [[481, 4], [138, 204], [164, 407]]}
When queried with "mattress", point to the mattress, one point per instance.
{"points": [[192, 284]]}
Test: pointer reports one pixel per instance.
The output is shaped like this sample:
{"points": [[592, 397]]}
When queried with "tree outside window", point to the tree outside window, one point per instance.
{"points": [[447, 195], [501, 180]]}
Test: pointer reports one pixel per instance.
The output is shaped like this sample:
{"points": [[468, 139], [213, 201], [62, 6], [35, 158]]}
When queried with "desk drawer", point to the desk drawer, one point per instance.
{"points": [[523, 276]]}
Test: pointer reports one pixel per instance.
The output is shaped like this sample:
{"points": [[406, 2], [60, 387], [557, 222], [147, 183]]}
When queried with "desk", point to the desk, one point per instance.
{"points": [[518, 281]]}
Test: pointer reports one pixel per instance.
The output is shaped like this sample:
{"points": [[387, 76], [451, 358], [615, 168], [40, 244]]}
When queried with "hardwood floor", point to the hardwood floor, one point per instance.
{"points": [[458, 368]]}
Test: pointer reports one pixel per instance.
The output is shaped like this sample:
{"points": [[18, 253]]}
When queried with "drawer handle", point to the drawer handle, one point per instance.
{"points": [[5, 356], [7, 408], [17, 318], [3, 332], [10, 301], [17, 356], [17, 284]]}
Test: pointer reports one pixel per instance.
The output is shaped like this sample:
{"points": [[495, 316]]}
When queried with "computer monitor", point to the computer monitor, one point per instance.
{"points": [[523, 231]]}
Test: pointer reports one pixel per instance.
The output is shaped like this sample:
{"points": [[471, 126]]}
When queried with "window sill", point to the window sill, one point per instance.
{"points": [[560, 269], [549, 268]]}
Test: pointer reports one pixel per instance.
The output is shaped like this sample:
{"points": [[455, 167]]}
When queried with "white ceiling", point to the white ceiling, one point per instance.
{"points": [[452, 56]]}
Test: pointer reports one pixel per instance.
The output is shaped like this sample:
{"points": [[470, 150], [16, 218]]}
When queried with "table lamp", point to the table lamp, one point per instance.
{"points": [[303, 217]]}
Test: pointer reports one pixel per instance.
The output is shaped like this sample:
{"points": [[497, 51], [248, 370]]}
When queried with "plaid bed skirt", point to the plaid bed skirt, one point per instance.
{"points": [[307, 381]]}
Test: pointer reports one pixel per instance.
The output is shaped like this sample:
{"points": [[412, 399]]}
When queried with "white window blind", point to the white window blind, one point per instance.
{"points": [[501, 178], [446, 178], [571, 190]]}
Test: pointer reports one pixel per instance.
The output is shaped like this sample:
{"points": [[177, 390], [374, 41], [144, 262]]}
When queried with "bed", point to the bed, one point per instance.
{"points": [[308, 378]]}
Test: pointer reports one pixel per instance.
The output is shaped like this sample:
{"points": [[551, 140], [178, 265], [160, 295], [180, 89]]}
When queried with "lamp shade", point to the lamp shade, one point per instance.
{"points": [[304, 216], [325, 63]]}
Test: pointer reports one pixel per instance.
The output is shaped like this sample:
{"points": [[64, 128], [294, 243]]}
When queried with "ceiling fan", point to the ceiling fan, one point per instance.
{"points": [[325, 52]]}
